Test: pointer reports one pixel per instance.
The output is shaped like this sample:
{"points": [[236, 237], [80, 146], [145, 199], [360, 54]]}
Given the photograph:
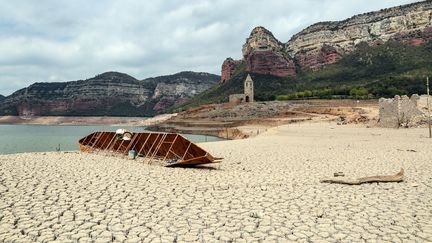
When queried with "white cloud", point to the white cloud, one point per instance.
{"points": [[59, 40]]}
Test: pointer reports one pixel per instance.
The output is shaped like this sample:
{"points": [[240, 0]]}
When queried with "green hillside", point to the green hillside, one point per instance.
{"points": [[368, 72]]}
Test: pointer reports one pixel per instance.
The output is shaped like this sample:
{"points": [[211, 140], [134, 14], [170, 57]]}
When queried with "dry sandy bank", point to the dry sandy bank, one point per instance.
{"points": [[267, 189]]}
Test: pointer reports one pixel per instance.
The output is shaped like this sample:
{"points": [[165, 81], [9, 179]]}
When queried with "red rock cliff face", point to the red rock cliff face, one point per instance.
{"points": [[228, 68], [316, 59], [264, 54], [415, 38], [270, 62]]}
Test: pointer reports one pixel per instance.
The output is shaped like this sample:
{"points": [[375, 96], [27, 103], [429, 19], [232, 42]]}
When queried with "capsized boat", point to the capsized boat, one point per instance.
{"points": [[171, 148]]}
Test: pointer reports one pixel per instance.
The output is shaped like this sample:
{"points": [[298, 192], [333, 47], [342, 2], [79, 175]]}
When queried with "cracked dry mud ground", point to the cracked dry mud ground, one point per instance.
{"points": [[267, 189]]}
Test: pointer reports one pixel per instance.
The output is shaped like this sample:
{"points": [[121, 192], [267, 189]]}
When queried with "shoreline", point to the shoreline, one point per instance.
{"points": [[239, 121], [241, 130], [85, 120]]}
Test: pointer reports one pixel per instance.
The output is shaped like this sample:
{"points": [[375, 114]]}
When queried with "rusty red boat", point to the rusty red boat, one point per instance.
{"points": [[171, 148]]}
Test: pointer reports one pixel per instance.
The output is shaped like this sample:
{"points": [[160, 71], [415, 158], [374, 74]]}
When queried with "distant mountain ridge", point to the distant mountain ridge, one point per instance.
{"points": [[107, 94], [326, 43]]}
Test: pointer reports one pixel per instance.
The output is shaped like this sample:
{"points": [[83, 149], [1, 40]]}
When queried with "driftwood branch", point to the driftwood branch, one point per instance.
{"points": [[392, 178]]}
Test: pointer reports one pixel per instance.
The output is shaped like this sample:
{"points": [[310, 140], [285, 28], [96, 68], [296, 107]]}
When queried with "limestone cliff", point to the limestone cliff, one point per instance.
{"points": [[410, 24], [326, 42], [110, 93], [173, 90]]}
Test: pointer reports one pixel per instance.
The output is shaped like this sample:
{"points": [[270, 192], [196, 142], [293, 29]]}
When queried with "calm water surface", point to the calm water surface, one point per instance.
{"points": [[43, 138]]}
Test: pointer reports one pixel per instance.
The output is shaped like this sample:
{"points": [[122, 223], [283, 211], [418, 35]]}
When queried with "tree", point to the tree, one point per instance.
{"points": [[359, 92]]}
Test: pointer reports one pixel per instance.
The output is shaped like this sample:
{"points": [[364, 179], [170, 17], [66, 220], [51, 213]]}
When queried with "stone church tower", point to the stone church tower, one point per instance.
{"points": [[248, 89]]}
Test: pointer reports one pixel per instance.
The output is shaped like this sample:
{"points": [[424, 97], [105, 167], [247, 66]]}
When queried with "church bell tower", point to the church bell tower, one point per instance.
{"points": [[248, 89]]}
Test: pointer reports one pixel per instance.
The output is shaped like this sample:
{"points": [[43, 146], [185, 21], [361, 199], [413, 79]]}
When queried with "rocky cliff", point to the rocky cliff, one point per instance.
{"points": [[326, 42], [172, 90], [2, 97], [263, 54], [228, 68], [111, 93]]}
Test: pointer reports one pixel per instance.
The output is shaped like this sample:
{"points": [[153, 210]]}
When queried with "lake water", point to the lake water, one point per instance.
{"points": [[44, 138]]}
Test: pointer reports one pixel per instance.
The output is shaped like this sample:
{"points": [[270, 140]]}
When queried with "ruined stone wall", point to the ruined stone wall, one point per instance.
{"points": [[236, 98], [422, 104], [388, 112], [402, 111]]}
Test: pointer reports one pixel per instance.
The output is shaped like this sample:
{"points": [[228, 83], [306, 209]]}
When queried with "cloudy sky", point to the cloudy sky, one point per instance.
{"points": [[59, 40]]}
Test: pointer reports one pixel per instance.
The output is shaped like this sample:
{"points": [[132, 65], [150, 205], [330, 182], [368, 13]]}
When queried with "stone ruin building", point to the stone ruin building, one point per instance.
{"points": [[402, 111], [247, 96]]}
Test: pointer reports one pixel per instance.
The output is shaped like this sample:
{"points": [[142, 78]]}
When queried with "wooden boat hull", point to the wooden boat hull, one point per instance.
{"points": [[172, 148]]}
